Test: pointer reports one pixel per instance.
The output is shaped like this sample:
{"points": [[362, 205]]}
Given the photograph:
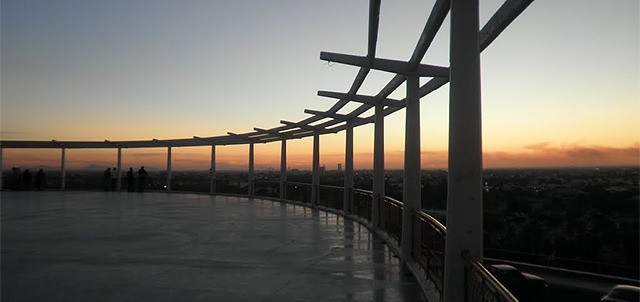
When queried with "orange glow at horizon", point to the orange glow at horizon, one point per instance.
{"points": [[267, 156]]}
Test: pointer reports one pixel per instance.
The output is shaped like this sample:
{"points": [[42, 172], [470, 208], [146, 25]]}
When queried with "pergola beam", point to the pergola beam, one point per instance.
{"points": [[393, 66], [434, 22], [366, 99], [507, 12], [274, 133], [336, 116], [307, 127]]}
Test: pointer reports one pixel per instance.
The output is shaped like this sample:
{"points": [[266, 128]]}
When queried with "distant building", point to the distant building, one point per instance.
{"points": [[339, 167]]}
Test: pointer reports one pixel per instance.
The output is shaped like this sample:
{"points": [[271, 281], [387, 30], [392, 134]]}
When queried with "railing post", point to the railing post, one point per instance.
{"points": [[283, 169], [315, 180], [378, 166], [251, 184], [412, 168], [212, 171], [348, 170], [63, 171], [464, 204], [119, 184], [168, 169]]}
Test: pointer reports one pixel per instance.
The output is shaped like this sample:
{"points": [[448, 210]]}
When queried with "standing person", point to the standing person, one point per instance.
{"points": [[26, 178], [142, 179], [130, 180], [39, 180], [15, 178], [106, 179], [114, 178]]}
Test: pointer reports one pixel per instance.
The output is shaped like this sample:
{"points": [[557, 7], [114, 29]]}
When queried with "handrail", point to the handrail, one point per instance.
{"points": [[331, 187], [393, 201], [424, 216], [502, 291], [362, 191]]}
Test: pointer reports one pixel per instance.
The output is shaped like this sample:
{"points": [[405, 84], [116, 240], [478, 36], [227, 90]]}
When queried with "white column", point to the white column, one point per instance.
{"points": [[464, 204], [315, 180], [168, 169], [283, 169], [63, 172], [212, 171], [412, 189], [348, 169], [251, 176], [119, 185], [378, 166]]}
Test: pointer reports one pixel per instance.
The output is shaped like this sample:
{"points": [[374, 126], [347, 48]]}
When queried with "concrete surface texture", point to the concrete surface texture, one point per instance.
{"points": [[99, 246]]}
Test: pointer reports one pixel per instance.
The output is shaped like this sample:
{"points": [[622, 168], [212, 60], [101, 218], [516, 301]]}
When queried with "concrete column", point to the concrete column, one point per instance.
{"points": [[378, 166], [212, 171], [348, 169], [251, 188], [412, 185], [283, 169], [168, 169], [63, 171], [315, 180], [464, 204], [119, 185]]}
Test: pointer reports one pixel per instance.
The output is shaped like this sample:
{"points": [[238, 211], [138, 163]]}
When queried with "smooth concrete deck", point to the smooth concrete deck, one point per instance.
{"points": [[99, 246]]}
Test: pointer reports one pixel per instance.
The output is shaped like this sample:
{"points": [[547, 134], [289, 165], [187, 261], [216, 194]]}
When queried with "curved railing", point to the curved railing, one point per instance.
{"points": [[428, 246], [429, 252], [480, 285]]}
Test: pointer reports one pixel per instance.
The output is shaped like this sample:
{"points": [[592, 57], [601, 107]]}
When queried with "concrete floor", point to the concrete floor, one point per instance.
{"points": [[103, 246]]}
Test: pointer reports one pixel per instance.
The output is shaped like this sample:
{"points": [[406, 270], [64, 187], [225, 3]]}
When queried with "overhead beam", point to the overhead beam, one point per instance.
{"points": [[307, 127], [374, 22], [275, 133], [508, 12], [337, 116], [366, 99], [240, 137], [393, 66], [434, 22]]}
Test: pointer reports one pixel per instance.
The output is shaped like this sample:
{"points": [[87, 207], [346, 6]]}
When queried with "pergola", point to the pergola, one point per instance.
{"points": [[464, 205]]}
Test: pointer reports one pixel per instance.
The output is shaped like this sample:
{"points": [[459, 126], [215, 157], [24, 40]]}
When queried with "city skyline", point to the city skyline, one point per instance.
{"points": [[559, 85]]}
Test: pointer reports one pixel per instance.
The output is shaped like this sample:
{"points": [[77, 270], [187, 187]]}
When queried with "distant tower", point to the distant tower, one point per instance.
{"points": [[339, 167]]}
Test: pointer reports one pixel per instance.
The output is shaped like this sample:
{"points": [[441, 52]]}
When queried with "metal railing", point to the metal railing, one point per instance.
{"points": [[331, 197], [266, 188], [482, 286], [362, 203], [299, 191], [429, 246], [391, 218]]}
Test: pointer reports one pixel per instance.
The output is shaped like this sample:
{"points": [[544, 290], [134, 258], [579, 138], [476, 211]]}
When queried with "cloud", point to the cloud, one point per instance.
{"points": [[546, 154]]}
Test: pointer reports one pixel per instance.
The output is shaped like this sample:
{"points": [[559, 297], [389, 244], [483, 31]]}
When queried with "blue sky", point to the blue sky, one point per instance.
{"points": [[565, 73]]}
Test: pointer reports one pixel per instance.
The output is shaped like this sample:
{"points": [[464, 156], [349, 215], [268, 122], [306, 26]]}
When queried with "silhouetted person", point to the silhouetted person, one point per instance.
{"points": [[16, 177], [39, 180], [27, 178], [114, 178], [106, 179], [142, 179], [130, 180]]}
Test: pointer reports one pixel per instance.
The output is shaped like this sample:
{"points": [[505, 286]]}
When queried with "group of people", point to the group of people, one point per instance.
{"points": [[25, 180], [111, 179]]}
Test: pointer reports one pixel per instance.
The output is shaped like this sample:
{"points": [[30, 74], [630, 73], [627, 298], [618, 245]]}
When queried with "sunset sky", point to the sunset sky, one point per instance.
{"points": [[560, 86]]}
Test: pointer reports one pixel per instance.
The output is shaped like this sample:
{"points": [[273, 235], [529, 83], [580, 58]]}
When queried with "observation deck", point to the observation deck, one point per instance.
{"points": [[92, 246], [106, 246]]}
